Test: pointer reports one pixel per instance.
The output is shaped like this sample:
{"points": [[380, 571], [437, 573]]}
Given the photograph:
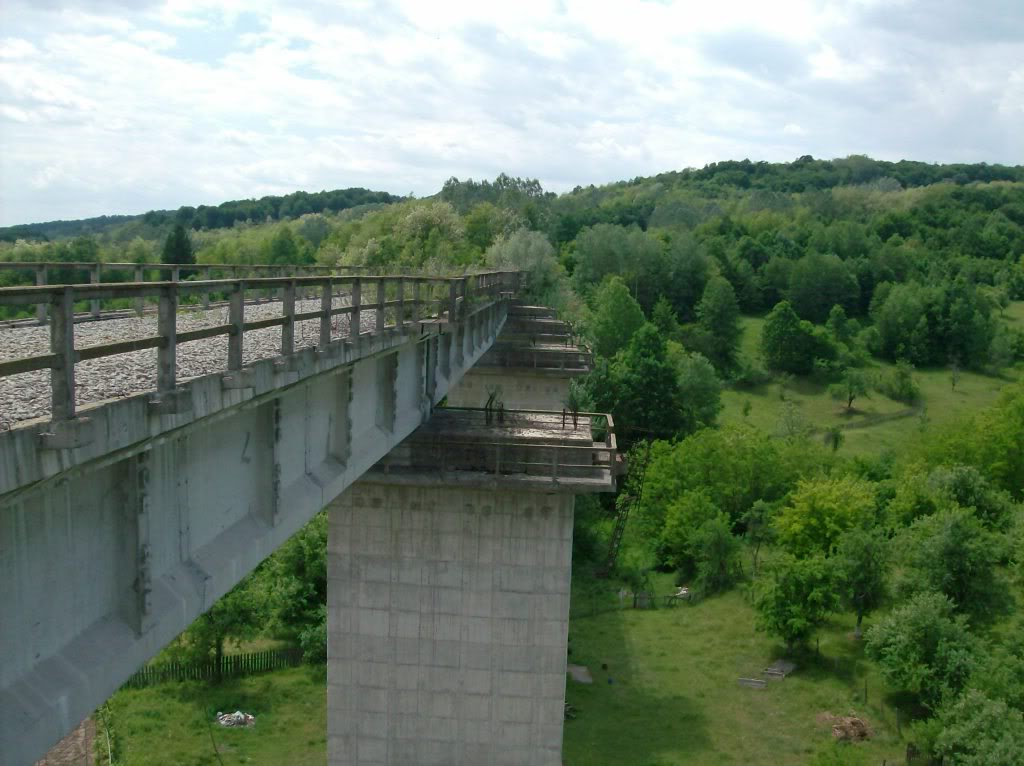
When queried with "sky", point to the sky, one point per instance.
{"points": [[123, 106]]}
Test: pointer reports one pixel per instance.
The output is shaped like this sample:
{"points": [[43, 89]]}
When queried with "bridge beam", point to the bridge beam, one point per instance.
{"points": [[110, 548]]}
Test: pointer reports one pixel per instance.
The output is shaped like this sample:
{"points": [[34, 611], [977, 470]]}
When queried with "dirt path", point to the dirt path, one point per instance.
{"points": [[75, 749]]}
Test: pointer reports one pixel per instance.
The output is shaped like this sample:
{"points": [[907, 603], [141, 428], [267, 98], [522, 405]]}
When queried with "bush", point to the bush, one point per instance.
{"points": [[924, 648], [749, 373], [313, 641], [899, 384], [827, 371]]}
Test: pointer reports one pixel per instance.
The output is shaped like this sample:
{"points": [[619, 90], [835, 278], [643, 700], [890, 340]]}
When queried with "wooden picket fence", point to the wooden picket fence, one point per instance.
{"points": [[232, 666]]}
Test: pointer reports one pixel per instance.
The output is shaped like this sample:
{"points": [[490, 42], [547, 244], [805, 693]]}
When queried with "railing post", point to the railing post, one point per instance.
{"points": [[236, 318], [140, 302], [42, 306], [288, 309], [326, 301], [94, 278], [206, 293], [62, 344], [354, 319], [453, 299], [176, 274], [167, 327], [416, 314], [381, 296]]}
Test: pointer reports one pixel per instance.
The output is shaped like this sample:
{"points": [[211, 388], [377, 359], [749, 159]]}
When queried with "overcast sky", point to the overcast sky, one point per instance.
{"points": [[122, 106]]}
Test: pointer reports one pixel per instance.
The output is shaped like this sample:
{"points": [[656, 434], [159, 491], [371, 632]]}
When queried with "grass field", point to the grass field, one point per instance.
{"points": [[167, 724], [877, 422], [674, 697]]}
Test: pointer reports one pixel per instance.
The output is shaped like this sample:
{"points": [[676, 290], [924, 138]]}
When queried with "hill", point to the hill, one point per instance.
{"points": [[224, 215]]}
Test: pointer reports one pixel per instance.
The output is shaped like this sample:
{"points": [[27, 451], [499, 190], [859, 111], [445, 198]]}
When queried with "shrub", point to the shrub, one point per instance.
{"points": [[899, 384]]}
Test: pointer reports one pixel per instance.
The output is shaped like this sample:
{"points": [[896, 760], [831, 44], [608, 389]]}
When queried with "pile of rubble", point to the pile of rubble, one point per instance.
{"points": [[847, 727], [238, 718]]}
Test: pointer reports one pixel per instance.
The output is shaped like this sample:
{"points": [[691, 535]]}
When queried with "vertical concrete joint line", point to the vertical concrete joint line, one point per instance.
{"points": [[275, 494], [143, 584]]}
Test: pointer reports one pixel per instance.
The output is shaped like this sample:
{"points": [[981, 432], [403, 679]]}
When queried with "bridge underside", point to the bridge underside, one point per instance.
{"points": [[113, 544]]}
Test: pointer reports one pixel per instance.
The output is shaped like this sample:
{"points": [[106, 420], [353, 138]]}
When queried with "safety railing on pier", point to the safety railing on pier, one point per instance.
{"points": [[565, 358], [41, 271], [540, 446], [405, 298]]}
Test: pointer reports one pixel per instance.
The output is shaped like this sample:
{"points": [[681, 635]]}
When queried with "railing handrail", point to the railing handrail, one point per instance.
{"points": [[125, 265], [30, 294], [61, 299]]}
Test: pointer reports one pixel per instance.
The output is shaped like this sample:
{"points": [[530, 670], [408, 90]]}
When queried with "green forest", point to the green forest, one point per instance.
{"points": [[816, 367]]}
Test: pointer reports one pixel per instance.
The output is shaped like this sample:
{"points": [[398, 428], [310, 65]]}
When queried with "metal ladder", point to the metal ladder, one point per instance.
{"points": [[624, 505]]}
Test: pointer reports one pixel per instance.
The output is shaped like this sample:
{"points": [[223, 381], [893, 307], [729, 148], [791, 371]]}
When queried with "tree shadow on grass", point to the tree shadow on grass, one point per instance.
{"points": [[620, 719]]}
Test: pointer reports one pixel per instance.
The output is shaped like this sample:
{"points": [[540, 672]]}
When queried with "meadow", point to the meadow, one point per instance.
{"points": [[670, 694], [876, 422], [174, 723]]}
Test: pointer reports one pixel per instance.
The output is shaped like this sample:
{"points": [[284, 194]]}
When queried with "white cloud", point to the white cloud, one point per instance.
{"points": [[123, 106]]}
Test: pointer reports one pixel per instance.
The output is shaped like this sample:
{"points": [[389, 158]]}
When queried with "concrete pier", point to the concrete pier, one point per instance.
{"points": [[448, 592], [448, 623], [530, 365]]}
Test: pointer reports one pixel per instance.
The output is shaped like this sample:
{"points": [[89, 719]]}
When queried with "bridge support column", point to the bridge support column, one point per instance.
{"points": [[529, 367], [447, 625]]}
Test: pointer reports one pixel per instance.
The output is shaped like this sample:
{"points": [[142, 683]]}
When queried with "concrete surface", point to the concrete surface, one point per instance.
{"points": [[116, 533], [447, 626]]}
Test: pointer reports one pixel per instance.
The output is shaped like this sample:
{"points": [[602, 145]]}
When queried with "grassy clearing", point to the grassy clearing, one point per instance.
{"points": [[674, 696], [167, 724], [1014, 314], [875, 424]]}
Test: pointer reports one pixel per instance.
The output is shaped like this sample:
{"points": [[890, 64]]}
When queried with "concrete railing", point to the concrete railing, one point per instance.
{"points": [[140, 271], [407, 298]]}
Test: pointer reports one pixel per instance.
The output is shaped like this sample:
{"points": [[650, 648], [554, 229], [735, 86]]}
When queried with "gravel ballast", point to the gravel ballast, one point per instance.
{"points": [[27, 395]]}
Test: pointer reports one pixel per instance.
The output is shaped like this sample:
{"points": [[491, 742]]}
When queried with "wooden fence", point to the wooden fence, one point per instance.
{"points": [[400, 299], [232, 666]]}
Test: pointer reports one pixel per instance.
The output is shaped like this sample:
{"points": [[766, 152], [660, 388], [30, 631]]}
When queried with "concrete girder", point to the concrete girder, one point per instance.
{"points": [[112, 545]]}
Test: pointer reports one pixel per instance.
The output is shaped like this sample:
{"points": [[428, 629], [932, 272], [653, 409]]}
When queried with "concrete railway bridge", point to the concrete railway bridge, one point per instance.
{"points": [[450, 528]]}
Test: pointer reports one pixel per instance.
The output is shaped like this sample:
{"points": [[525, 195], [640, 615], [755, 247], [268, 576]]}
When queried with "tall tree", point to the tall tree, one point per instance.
{"points": [[718, 313], [862, 559], [790, 344], [951, 552], [817, 283], [700, 390], [239, 614], [178, 247], [923, 647], [615, 317], [647, 386], [821, 510], [797, 597], [979, 731]]}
